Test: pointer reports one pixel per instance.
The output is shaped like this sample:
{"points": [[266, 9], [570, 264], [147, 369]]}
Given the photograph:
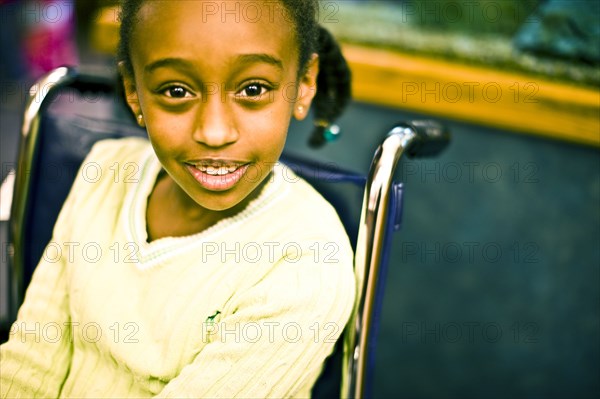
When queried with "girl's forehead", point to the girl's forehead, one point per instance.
{"points": [[213, 29], [201, 15], [247, 10]]}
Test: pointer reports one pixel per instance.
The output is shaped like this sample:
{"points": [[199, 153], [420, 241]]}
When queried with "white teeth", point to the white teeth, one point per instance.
{"points": [[217, 170]]}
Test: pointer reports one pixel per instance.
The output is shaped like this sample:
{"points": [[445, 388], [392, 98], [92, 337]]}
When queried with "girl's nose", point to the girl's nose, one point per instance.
{"points": [[214, 124]]}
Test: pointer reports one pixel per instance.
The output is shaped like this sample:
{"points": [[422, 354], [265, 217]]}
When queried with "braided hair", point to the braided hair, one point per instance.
{"points": [[333, 86], [333, 80]]}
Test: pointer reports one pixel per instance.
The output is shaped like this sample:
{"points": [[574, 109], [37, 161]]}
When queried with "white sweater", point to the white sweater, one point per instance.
{"points": [[250, 307]]}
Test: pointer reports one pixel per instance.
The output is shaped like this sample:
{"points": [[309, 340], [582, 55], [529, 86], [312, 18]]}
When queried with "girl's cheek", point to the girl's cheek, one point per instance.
{"points": [[173, 125], [271, 116]]}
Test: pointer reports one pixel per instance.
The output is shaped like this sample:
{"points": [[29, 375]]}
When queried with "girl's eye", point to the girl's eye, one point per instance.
{"points": [[177, 92], [253, 90]]}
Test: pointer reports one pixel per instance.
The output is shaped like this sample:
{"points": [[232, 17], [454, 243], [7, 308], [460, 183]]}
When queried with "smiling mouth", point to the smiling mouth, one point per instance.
{"points": [[217, 177]]}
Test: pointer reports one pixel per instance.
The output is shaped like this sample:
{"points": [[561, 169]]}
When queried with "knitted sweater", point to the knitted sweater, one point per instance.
{"points": [[250, 307]]}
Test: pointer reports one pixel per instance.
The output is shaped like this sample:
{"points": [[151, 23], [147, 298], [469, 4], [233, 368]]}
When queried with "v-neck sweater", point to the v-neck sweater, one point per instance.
{"points": [[249, 307]]}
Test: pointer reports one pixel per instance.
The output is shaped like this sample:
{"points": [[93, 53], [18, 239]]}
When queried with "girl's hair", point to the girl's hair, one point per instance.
{"points": [[333, 81]]}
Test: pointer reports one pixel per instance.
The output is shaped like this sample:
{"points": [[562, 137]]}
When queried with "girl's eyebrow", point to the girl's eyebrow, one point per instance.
{"points": [[168, 62], [242, 59], [259, 58]]}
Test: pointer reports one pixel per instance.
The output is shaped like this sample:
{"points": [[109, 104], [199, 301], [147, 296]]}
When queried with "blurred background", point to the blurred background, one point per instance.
{"points": [[493, 288]]}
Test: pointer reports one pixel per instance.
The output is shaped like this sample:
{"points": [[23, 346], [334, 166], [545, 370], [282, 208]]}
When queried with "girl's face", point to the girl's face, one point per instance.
{"points": [[217, 84]]}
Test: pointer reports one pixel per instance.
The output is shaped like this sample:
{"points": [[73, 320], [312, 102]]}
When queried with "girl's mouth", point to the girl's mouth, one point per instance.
{"points": [[217, 177]]}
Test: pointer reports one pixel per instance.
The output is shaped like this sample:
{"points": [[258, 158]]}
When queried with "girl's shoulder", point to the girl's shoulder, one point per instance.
{"points": [[305, 211], [123, 149], [109, 167]]}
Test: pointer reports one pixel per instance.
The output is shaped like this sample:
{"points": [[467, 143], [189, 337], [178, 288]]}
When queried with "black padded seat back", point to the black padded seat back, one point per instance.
{"points": [[73, 118]]}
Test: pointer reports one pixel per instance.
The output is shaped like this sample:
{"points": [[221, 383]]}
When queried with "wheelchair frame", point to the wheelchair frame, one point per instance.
{"points": [[381, 204]]}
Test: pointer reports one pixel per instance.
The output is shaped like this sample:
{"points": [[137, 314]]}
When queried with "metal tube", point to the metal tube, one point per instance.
{"points": [[27, 147], [368, 256]]}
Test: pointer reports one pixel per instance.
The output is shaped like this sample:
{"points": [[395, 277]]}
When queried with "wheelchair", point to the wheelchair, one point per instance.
{"points": [[69, 110]]}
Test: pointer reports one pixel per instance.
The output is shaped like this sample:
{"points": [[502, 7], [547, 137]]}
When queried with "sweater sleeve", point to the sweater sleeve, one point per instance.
{"points": [[275, 338], [37, 357]]}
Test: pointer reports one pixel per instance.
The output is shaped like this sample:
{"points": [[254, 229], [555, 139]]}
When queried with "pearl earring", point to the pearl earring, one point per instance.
{"points": [[300, 109], [140, 119]]}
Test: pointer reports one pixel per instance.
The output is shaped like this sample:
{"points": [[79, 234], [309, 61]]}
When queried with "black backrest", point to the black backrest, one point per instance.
{"points": [[73, 118]]}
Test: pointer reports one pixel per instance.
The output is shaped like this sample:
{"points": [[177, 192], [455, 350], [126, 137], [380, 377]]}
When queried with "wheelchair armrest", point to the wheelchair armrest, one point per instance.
{"points": [[417, 138]]}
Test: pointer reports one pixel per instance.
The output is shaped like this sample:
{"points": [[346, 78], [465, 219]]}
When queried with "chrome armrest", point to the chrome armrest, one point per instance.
{"points": [[418, 138]]}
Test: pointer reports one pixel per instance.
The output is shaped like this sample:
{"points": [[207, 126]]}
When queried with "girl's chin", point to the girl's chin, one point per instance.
{"points": [[227, 201]]}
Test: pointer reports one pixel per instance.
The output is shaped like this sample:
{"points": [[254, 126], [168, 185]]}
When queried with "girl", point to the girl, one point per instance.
{"points": [[223, 274]]}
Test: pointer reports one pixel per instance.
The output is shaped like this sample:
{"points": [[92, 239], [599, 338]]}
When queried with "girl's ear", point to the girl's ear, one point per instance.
{"points": [[131, 95], [307, 88]]}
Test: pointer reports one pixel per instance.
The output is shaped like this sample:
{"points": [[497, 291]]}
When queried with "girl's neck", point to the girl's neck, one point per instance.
{"points": [[171, 212]]}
